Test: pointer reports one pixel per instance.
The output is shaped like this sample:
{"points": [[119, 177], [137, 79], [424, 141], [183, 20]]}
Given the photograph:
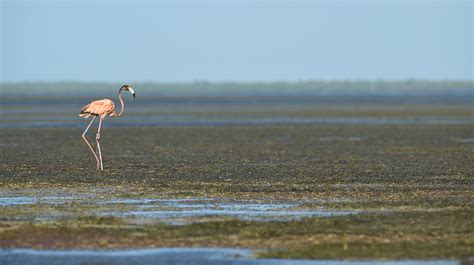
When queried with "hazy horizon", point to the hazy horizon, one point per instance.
{"points": [[243, 82], [231, 41]]}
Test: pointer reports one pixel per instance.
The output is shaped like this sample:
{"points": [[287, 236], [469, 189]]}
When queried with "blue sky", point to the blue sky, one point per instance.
{"points": [[165, 41]]}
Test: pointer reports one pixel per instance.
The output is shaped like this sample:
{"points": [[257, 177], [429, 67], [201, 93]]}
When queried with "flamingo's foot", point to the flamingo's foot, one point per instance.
{"points": [[101, 164], [98, 165]]}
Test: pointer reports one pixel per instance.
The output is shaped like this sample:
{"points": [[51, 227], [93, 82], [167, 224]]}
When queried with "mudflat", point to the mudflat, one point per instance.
{"points": [[409, 187]]}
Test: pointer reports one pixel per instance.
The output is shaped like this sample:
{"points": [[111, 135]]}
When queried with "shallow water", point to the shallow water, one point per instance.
{"points": [[249, 111], [11, 201], [176, 256], [25, 200], [200, 121], [175, 217], [465, 140], [171, 210], [177, 211]]}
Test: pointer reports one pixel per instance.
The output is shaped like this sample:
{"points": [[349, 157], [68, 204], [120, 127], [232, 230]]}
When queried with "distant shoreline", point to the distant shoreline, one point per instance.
{"points": [[230, 88]]}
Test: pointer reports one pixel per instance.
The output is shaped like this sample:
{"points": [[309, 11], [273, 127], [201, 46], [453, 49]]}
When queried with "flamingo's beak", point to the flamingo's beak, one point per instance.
{"points": [[132, 91]]}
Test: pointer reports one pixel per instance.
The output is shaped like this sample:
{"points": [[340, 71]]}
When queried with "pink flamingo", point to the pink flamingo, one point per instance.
{"points": [[101, 108]]}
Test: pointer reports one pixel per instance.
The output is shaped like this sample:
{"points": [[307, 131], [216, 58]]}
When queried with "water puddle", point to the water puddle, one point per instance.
{"points": [[176, 211], [464, 140], [167, 210], [178, 217], [350, 139], [176, 256], [11, 201], [22, 200], [180, 211]]}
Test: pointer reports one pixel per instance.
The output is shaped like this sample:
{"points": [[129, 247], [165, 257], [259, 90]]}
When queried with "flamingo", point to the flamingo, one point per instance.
{"points": [[101, 108]]}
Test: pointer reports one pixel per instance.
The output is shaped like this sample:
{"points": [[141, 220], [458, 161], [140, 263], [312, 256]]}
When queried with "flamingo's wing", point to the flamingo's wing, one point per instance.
{"points": [[97, 108]]}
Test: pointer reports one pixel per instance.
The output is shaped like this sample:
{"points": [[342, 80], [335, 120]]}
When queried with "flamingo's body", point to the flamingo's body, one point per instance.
{"points": [[98, 107], [101, 108]]}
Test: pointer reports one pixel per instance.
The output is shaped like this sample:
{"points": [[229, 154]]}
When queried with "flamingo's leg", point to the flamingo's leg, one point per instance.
{"points": [[97, 139], [87, 142]]}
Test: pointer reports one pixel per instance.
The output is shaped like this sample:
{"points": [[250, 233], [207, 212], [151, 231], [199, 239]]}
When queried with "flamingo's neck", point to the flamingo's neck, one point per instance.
{"points": [[121, 104]]}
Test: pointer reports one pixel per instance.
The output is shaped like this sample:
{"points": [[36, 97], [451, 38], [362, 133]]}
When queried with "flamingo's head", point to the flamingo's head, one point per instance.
{"points": [[129, 89]]}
